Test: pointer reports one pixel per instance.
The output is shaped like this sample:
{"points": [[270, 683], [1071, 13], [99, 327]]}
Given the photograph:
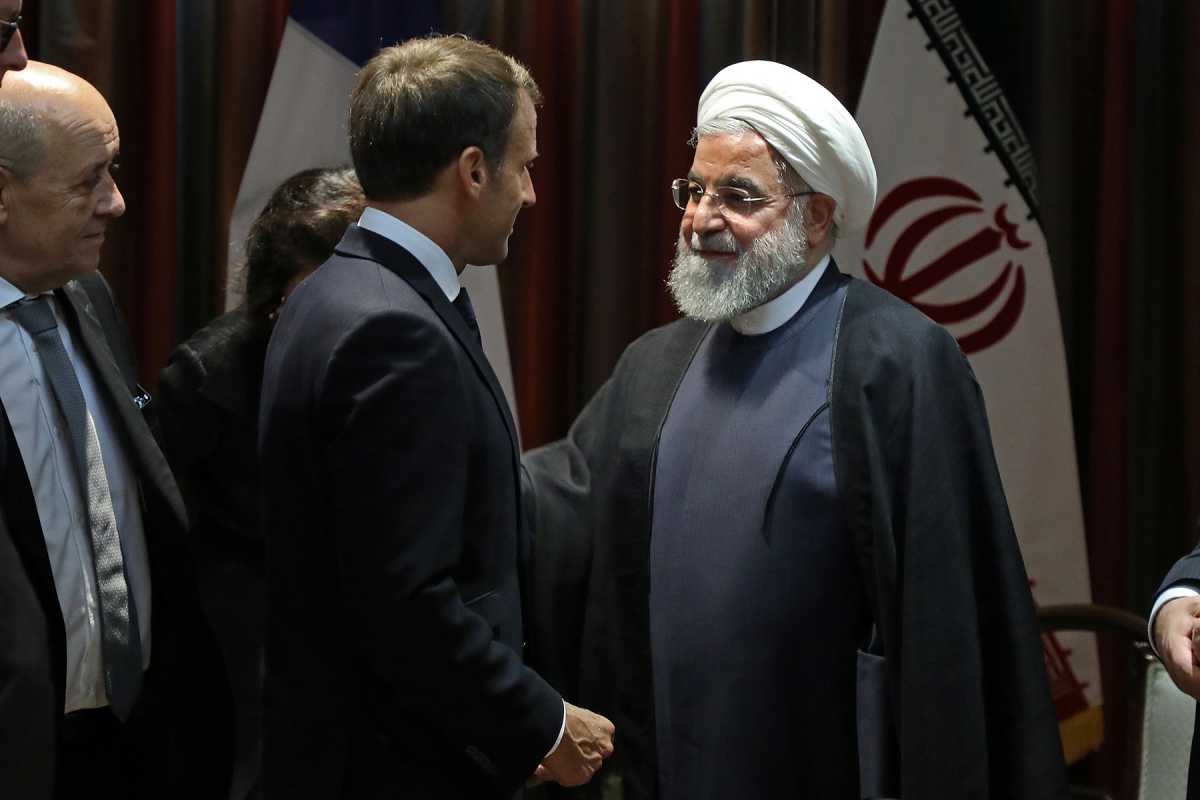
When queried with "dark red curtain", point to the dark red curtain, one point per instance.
{"points": [[1183, 153], [545, 244], [247, 39], [130, 58], [1106, 504], [1107, 507]]}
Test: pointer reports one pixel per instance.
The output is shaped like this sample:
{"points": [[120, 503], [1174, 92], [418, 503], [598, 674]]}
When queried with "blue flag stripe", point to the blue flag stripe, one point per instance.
{"points": [[358, 28]]}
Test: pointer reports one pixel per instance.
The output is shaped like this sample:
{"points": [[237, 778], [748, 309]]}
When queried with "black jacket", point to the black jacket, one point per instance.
{"points": [[208, 399], [389, 464], [208, 414]]}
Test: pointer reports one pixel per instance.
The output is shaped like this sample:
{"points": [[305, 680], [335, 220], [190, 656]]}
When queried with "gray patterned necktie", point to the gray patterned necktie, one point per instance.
{"points": [[122, 646]]}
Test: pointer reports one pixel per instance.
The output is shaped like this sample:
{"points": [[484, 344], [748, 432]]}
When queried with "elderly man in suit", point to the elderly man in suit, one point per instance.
{"points": [[390, 468], [110, 684]]}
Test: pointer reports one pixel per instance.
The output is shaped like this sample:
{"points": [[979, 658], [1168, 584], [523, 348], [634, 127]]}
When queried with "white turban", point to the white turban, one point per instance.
{"points": [[806, 125]]}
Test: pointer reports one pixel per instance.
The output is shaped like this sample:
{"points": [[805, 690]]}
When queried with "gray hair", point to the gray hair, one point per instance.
{"points": [[788, 177], [730, 126], [22, 138]]}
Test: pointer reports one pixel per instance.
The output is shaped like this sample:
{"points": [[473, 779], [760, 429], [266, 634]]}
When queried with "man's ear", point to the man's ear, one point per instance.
{"points": [[819, 218], [472, 171]]}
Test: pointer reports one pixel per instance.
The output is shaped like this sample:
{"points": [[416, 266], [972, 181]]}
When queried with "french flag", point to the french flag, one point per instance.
{"points": [[303, 123]]}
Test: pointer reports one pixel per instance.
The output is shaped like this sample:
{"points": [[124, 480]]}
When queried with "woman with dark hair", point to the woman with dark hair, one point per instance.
{"points": [[208, 412]]}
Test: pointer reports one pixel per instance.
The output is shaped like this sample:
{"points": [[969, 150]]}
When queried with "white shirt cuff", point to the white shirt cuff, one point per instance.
{"points": [[1174, 593], [561, 730]]}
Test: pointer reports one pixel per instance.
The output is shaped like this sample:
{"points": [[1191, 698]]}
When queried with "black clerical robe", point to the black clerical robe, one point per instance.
{"points": [[922, 497]]}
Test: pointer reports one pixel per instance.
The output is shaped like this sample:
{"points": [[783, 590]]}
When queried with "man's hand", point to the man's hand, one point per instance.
{"points": [[586, 742], [1177, 638]]}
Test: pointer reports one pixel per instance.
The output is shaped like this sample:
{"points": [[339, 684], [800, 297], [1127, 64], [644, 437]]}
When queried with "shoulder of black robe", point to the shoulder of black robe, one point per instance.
{"points": [[568, 490], [918, 474], [587, 498]]}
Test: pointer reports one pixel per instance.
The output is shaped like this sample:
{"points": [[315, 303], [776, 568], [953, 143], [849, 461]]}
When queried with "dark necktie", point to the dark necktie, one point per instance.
{"points": [[122, 646], [467, 312]]}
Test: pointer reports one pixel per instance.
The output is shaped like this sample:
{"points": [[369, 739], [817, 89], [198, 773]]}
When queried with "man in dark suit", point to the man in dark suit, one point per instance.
{"points": [[389, 465], [110, 684]]}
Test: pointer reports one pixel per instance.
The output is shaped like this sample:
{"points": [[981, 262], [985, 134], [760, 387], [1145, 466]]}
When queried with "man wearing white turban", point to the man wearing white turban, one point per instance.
{"points": [[797, 472]]}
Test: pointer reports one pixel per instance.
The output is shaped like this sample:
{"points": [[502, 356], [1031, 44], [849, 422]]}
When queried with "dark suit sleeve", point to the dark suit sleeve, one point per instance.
{"points": [[397, 426], [29, 700], [1186, 572]]}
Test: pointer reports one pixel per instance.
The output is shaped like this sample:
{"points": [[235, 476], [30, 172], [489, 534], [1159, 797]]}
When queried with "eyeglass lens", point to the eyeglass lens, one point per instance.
{"points": [[727, 198], [8, 29]]}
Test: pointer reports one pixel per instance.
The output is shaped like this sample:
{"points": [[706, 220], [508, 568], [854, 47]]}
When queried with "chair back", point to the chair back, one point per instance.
{"points": [[1165, 746], [1160, 716]]}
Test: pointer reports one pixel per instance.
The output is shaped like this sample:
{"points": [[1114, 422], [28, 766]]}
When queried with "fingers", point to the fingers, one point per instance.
{"points": [[572, 773], [1177, 631], [1176, 618], [586, 743], [577, 776], [606, 745], [1180, 661], [539, 776]]}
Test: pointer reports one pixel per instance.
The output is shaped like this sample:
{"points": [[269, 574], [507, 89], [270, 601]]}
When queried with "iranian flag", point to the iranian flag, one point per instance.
{"points": [[955, 232]]}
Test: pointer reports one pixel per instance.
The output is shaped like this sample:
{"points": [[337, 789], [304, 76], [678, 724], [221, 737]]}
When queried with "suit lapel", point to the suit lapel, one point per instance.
{"points": [[361, 243], [19, 520], [153, 468]]}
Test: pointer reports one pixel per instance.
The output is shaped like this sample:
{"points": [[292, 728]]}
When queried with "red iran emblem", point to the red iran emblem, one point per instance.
{"points": [[909, 284]]}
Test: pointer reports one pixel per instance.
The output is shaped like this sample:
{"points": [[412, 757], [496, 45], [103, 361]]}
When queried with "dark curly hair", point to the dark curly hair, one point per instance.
{"points": [[297, 230]]}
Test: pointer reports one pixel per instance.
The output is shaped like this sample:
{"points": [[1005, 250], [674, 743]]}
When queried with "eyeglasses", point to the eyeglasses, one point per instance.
{"points": [[8, 29], [728, 199]]}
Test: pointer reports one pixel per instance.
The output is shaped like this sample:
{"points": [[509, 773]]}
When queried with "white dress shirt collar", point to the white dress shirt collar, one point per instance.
{"points": [[773, 313], [9, 294], [432, 258]]}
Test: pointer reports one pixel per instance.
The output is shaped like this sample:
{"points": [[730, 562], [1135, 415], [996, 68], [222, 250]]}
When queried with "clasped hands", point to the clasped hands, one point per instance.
{"points": [[586, 742], [1177, 639]]}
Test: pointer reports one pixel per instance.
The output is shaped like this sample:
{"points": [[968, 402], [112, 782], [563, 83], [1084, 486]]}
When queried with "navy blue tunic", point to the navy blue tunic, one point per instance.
{"points": [[755, 599]]}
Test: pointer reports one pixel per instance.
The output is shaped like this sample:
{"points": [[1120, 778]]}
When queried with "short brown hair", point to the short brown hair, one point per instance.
{"points": [[419, 104]]}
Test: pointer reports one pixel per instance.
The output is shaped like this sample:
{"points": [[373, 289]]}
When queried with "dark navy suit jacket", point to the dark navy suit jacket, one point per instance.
{"points": [[394, 628]]}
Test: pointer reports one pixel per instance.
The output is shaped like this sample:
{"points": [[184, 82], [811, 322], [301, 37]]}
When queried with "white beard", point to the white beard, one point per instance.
{"points": [[715, 291]]}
